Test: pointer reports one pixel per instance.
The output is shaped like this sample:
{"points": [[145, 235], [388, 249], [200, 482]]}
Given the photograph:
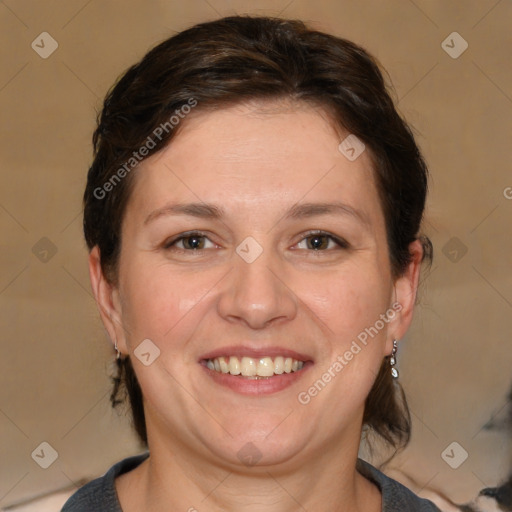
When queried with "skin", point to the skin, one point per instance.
{"points": [[255, 162]]}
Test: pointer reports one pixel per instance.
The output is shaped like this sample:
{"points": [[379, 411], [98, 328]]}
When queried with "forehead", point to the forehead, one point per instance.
{"points": [[276, 153], [259, 131]]}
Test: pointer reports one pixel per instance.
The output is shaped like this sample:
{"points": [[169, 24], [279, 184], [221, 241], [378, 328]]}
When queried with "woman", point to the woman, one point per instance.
{"points": [[253, 214]]}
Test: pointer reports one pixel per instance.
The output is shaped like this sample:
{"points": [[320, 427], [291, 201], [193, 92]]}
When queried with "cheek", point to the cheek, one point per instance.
{"points": [[349, 304], [346, 301], [168, 305], [163, 305]]}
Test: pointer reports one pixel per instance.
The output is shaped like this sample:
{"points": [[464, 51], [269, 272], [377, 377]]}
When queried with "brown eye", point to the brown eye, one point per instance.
{"points": [[193, 242], [189, 242], [317, 242], [322, 242]]}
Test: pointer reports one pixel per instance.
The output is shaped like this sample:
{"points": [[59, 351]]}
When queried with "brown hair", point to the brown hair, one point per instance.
{"points": [[238, 59]]}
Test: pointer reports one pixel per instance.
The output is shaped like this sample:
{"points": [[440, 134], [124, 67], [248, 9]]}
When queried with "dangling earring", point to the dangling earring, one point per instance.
{"points": [[118, 352], [392, 360]]}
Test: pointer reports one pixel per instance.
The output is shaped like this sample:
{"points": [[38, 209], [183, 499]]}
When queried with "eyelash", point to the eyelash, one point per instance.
{"points": [[342, 244]]}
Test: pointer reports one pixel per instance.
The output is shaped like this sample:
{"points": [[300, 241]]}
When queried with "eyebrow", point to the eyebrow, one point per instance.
{"points": [[305, 210], [297, 211], [200, 210]]}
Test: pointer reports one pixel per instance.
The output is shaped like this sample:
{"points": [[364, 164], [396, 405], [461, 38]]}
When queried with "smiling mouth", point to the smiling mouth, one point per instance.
{"points": [[252, 367]]}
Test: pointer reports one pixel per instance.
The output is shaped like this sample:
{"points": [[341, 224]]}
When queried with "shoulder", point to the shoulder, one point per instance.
{"points": [[395, 496], [100, 494]]}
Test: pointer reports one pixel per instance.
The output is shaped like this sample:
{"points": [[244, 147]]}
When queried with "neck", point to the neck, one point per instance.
{"points": [[174, 478]]}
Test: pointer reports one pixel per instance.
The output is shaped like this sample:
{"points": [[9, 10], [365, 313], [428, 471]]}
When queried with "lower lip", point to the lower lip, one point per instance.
{"points": [[263, 386]]}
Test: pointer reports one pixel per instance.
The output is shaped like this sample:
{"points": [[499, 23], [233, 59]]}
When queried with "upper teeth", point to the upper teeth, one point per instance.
{"points": [[254, 367]]}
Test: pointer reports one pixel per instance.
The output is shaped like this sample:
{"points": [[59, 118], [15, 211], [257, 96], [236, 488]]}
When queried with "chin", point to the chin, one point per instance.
{"points": [[258, 444]]}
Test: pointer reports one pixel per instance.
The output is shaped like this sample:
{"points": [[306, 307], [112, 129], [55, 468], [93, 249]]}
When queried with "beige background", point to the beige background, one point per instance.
{"points": [[457, 359]]}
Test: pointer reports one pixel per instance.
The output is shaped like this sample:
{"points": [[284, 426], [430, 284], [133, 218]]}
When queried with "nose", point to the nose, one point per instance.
{"points": [[255, 294]]}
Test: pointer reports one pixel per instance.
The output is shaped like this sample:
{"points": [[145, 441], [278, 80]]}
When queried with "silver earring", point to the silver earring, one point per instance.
{"points": [[118, 352], [392, 360]]}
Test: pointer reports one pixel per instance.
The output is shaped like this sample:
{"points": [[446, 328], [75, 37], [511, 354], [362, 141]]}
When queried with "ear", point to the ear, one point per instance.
{"points": [[107, 299], [405, 290]]}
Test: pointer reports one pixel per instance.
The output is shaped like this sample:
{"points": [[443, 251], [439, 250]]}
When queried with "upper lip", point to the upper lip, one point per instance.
{"points": [[256, 353]]}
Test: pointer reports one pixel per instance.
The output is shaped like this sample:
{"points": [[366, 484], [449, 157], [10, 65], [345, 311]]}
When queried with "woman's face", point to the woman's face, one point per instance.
{"points": [[251, 244]]}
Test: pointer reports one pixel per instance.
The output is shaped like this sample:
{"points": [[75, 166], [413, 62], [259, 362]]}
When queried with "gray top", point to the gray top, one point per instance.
{"points": [[100, 495]]}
